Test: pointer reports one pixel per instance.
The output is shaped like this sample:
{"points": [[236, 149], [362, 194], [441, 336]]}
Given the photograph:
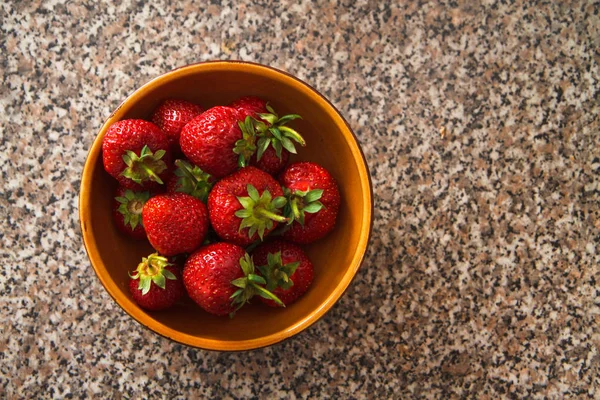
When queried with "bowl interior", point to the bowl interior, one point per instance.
{"points": [[336, 258]]}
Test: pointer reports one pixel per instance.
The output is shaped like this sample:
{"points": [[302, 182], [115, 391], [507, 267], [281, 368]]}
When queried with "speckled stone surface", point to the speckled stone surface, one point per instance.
{"points": [[482, 277]]}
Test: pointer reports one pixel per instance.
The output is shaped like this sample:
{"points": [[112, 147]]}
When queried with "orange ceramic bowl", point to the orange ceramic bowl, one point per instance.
{"points": [[337, 258]]}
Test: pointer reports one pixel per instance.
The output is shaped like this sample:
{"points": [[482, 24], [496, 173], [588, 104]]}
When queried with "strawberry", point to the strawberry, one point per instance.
{"points": [[172, 115], [208, 140], [313, 201], [136, 153], [220, 278], [191, 180], [156, 284], [286, 269], [266, 141], [245, 206], [127, 211], [175, 223], [270, 162], [249, 106]]}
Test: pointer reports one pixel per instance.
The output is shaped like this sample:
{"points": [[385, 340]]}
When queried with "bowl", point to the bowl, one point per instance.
{"points": [[336, 258]]}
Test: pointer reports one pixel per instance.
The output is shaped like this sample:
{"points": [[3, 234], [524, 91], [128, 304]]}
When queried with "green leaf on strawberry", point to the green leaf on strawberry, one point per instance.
{"points": [[145, 167], [275, 133], [246, 146], [152, 269], [300, 202], [249, 286], [192, 180], [259, 211], [276, 274], [131, 205]]}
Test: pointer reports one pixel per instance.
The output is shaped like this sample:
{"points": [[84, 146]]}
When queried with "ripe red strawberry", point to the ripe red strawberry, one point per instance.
{"points": [[208, 140], [270, 162], [249, 106], [127, 211], [172, 115], [191, 180], [136, 153], [313, 201], [245, 206], [267, 142], [175, 223], [286, 269], [156, 284], [220, 278]]}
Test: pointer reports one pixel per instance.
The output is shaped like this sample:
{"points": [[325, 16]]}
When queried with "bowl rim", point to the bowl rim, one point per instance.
{"points": [[215, 344]]}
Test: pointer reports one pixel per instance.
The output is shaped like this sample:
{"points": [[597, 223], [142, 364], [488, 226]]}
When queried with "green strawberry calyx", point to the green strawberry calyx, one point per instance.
{"points": [[250, 285], [246, 146], [145, 167], [131, 205], [300, 202], [192, 180], [275, 133], [277, 274], [152, 269], [259, 211]]}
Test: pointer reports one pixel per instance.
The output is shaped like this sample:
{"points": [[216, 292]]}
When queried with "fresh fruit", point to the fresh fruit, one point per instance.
{"points": [[270, 162], [266, 141], [249, 106], [313, 201], [286, 269], [172, 115], [127, 211], [245, 147], [220, 278], [245, 206], [208, 140], [136, 153], [175, 223], [156, 284], [191, 180], [272, 131]]}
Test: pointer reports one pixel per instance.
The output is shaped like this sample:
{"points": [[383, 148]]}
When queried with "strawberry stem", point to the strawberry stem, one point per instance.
{"points": [[294, 135], [301, 202], [295, 210], [135, 207], [259, 211], [271, 130], [144, 167], [264, 293], [152, 269], [131, 206], [246, 146], [249, 285], [268, 214], [276, 273], [185, 169], [192, 180], [151, 174]]}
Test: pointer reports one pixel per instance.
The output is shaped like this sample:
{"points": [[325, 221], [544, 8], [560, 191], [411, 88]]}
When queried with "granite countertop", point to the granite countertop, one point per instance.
{"points": [[480, 124]]}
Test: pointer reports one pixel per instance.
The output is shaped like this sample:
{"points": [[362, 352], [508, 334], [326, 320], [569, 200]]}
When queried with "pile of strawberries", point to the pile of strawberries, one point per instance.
{"points": [[212, 191]]}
